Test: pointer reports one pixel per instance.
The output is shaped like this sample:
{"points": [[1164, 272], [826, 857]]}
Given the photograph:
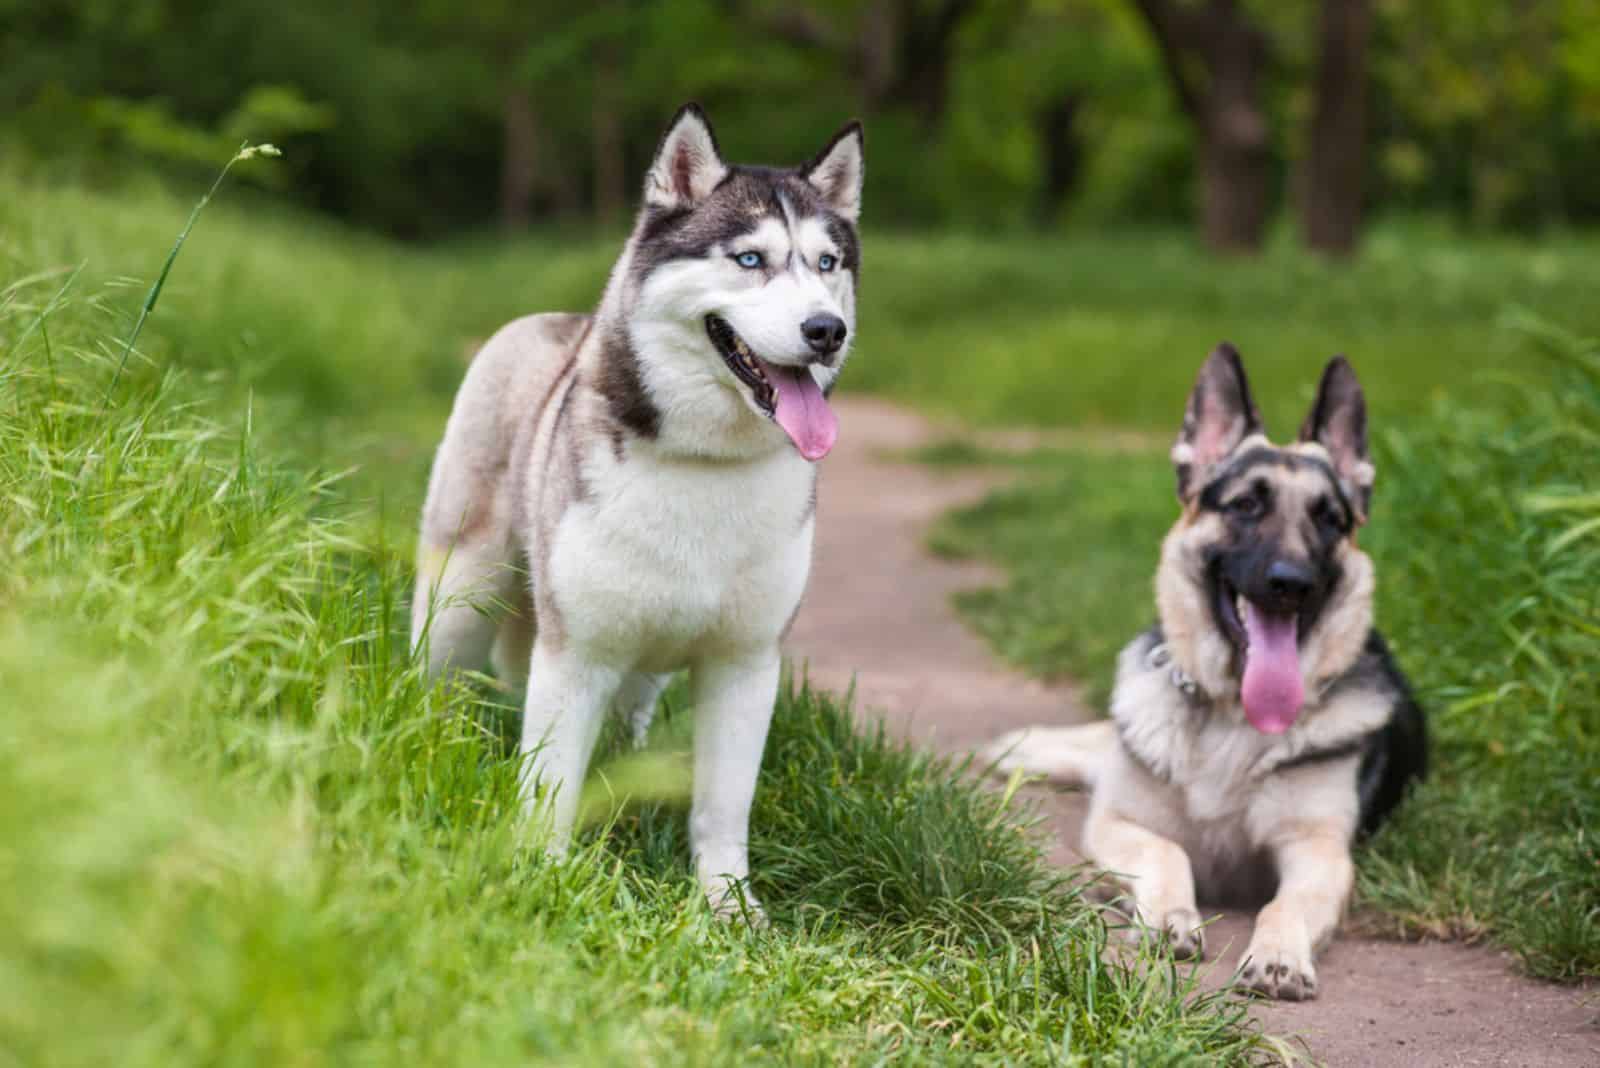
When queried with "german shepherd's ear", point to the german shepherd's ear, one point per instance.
{"points": [[837, 171], [1220, 415], [688, 165], [1338, 422]]}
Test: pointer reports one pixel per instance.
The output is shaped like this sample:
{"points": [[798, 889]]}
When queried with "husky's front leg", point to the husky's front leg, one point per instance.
{"points": [[1314, 882], [566, 703], [733, 708]]}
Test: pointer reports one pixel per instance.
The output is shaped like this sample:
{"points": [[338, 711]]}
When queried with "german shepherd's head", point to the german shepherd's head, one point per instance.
{"points": [[1262, 592]]}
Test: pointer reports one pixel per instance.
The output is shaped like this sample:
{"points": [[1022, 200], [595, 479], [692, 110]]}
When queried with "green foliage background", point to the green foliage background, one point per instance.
{"points": [[393, 113]]}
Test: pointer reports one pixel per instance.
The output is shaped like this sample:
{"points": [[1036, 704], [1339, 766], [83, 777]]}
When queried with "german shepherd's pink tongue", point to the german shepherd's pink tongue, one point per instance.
{"points": [[803, 411], [1272, 692]]}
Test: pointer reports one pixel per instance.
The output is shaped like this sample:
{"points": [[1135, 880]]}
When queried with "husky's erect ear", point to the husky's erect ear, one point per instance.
{"points": [[836, 172], [1220, 415], [1338, 422], [687, 165]]}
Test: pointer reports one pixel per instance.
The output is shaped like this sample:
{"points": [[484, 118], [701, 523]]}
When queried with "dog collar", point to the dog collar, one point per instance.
{"points": [[1159, 658]]}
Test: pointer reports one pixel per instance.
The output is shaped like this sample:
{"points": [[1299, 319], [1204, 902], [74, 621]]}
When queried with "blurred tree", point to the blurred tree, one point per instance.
{"points": [[1061, 145], [1335, 164], [1490, 111], [926, 53], [606, 108], [1215, 57], [899, 52], [522, 154], [424, 116]]}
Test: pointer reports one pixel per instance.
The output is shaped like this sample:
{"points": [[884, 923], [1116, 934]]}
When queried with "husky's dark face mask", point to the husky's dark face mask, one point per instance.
{"points": [[1268, 595]]}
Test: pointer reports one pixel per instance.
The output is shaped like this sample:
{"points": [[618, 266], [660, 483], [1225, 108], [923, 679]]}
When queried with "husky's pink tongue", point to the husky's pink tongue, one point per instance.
{"points": [[803, 411], [1272, 691]]}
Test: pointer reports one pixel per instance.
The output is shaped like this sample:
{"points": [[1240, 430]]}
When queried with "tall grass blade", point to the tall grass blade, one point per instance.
{"points": [[246, 151]]}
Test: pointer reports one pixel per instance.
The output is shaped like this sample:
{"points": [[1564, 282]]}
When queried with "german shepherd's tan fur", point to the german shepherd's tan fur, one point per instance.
{"points": [[1200, 782]]}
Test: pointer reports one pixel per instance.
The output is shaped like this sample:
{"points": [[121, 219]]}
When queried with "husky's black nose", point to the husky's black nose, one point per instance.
{"points": [[824, 333], [1290, 583]]}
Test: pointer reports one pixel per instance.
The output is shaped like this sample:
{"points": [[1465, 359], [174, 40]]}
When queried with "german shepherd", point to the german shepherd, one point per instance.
{"points": [[1261, 725]]}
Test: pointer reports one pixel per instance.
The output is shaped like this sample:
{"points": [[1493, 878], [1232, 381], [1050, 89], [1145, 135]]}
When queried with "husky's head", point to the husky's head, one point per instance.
{"points": [[740, 289], [1262, 590]]}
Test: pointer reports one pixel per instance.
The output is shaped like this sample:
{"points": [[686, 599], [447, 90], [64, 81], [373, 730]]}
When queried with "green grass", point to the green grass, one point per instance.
{"points": [[1106, 331], [1486, 534], [233, 830]]}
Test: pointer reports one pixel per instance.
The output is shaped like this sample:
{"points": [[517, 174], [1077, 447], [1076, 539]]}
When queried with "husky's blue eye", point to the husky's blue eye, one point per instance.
{"points": [[826, 262], [749, 260]]}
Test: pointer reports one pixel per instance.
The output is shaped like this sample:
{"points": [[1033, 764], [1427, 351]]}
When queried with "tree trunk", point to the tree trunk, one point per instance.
{"points": [[610, 168], [926, 54], [1063, 153], [902, 51], [1236, 149], [519, 162], [1336, 160], [1233, 197], [1216, 60], [876, 56]]}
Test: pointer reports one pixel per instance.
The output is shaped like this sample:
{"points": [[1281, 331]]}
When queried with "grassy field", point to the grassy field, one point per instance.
{"points": [[1486, 533], [235, 834], [1099, 331], [1081, 331]]}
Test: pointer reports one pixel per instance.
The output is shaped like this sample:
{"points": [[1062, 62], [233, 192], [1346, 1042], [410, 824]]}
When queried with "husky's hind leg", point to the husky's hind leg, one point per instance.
{"points": [[1071, 756], [513, 643], [458, 603], [471, 555], [636, 703]]}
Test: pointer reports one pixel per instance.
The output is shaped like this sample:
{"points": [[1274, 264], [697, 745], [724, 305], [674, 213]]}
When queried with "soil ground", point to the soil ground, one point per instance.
{"points": [[878, 616]]}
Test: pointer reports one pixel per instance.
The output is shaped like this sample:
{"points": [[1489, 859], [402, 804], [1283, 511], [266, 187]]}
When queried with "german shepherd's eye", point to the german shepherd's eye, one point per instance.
{"points": [[749, 260], [1326, 516], [1250, 506]]}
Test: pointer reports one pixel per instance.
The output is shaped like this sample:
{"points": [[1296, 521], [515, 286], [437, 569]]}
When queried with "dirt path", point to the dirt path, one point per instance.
{"points": [[878, 612]]}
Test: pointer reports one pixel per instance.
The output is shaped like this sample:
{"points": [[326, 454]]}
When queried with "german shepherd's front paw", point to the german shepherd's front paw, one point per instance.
{"points": [[1274, 969], [1180, 931], [1184, 934]]}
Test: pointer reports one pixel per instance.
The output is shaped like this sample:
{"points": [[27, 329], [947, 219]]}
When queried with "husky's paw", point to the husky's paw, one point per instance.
{"points": [[732, 901], [1273, 968]]}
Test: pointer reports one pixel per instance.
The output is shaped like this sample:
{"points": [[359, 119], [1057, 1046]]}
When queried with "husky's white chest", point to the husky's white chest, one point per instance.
{"points": [[665, 561]]}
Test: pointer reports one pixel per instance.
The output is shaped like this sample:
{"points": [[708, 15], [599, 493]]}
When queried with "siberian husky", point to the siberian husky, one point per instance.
{"points": [[638, 485], [1261, 724]]}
